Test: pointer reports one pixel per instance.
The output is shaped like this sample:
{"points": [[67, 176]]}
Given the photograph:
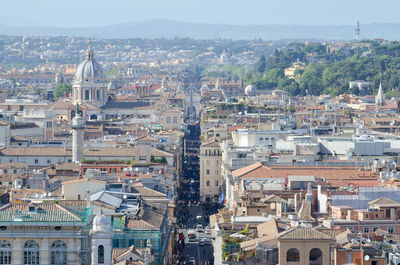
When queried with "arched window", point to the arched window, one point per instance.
{"points": [[260, 140], [272, 140], [315, 256], [100, 254], [58, 252], [5, 252], [292, 255], [266, 141], [31, 252]]}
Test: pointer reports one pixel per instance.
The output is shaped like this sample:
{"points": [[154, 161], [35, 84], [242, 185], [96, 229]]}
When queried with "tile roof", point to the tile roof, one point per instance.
{"points": [[88, 151], [246, 170], [7, 165], [382, 201], [150, 217], [334, 174], [62, 212], [302, 233]]}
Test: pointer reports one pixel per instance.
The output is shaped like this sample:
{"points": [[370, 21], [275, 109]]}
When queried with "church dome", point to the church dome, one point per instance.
{"points": [[90, 69], [250, 90], [101, 223]]}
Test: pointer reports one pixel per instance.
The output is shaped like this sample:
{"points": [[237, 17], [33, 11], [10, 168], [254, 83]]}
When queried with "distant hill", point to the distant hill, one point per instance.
{"points": [[173, 29]]}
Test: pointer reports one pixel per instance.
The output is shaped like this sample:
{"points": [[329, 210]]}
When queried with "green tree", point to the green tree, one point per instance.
{"points": [[261, 64], [61, 89]]}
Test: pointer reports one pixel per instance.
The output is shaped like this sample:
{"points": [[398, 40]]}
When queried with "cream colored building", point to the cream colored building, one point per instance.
{"points": [[45, 233], [210, 171], [172, 119], [304, 246]]}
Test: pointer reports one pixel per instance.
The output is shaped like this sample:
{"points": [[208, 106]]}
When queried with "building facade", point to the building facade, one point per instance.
{"points": [[210, 171]]}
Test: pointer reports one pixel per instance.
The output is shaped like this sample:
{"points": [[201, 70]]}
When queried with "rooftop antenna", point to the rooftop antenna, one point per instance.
{"points": [[358, 30]]}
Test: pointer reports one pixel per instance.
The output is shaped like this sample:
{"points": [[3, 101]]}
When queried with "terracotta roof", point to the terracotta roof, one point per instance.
{"points": [[213, 143], [268, 228], [88, 151], [246, 170], [301, 233], [336, 174], [7, 165], [118, 253], [61, 105], [68, 166]]}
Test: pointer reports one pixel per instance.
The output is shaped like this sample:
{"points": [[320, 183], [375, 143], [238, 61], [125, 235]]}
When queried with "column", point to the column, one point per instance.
{"points": [[71, 251], [44, 251], [17, 251]]}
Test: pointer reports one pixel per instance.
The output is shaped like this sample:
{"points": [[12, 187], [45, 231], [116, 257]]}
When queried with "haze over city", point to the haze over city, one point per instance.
{"points": [[75, 13]]}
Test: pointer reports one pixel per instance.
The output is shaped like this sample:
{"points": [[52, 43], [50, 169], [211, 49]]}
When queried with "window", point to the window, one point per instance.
{"points": [[168, 119], [86, 94], [216, 183], [49, 124], [36, 161], [208, 172], [390, 230], [366, 216], [175, 119], [100, 254], [315, 256], [388, 213], [58, 252], [98, 95], [48, 161], [374, 229], [208, 183], [261, 141], [349, 258], [5, 252], [292, 255], [31, 252], [366, 229]]}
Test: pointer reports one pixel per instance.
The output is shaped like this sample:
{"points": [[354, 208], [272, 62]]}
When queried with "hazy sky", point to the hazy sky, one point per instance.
{"points": [[72, 13]]}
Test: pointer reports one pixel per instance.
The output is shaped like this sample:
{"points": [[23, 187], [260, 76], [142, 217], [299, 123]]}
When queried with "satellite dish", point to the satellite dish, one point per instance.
{"points": [[368, 240], [286, 227], [125, 197], [366, 257]]}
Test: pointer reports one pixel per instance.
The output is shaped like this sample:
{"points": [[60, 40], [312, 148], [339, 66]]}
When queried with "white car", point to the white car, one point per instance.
{"points": [[199, 228]]}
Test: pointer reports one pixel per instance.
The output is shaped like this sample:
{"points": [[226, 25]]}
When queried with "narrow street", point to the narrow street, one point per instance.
{"points": [[191, 217]]}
